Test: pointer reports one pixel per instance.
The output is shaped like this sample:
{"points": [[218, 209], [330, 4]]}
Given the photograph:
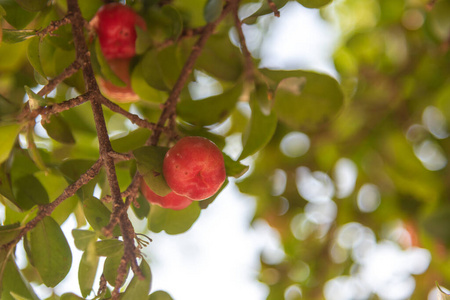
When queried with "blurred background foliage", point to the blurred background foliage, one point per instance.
{"points": [[351, 171]]}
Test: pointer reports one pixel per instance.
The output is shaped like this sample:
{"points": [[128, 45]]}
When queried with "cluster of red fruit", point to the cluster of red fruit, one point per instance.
{"points": [[115, 24], [193, 168]]}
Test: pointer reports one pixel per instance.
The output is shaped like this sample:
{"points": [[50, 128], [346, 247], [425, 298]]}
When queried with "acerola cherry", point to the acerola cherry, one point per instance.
{"points": [[121, 67], [115, 26], [171, 200], [194, 168]]}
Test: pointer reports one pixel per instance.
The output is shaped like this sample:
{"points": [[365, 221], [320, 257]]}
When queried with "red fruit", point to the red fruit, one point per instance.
{"points": [[194, 168], [121, 67], [115, 25], [171, 200]]}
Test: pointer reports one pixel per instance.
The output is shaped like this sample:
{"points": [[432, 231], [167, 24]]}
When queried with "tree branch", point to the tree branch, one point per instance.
{"points": [[274, 8], [249, 67]]}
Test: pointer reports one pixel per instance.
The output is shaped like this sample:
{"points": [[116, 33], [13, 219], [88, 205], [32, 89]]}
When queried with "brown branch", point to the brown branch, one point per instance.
{"points": [[46, 210], [54, 25], [249, 67], [171, 102], [105, 147], [274, 8]]}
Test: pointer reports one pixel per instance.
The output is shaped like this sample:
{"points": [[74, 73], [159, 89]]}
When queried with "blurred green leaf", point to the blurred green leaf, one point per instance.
{"points": [[12, 36], [51, 252], [174, 28], [172, 221], [112, 265], [87, 270], [143, 210], [160, 295], [34, 99], [143, 89], [9, 133], [210, 110], [16, 16], [106, 70], [259, 130], [212, 10], [29, 191], [35, 5], [139, 288], [149, 163], [13, 282], [58, 129], [234, 168], [9, 232], [108, 247], [98, 215], [82, 238], [131, 141], [70, 296], [264, 10], [72, 169], [314, 3]]}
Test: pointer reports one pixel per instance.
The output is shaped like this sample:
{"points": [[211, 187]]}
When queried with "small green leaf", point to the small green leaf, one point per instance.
{"points": [[175, 28], [264, 10], [34, 56], [112, 265], [87, 270], [172, 221], [259, 130], [210, 110], [12, 36], [212, 10], [106, 70], [58, 129], [234, 168], [72, 170], [142, 211], [98, 215], [131, 141], [143, 40], [51, 252], [144, 90], [160, 295], [9, 133], [149, 163], [29, 191], [82, 238], [109, 247], [9, 232], [34, 99], [70, 296], [5, 184], [138, 288], [314, 3]]}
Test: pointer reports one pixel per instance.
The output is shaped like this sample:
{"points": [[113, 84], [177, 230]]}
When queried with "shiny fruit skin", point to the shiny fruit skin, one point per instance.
{"points": [[194, 168], [171, 200], [115, 26]]}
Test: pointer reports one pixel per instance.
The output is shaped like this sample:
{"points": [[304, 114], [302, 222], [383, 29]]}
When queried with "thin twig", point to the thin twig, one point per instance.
{"points": [[274, 8], [249, 67], [54, 25]]}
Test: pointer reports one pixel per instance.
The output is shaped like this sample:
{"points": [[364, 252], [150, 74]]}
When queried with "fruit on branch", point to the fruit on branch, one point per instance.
{"points": [[171, 200], [115, 26], [194, 167], [121, 67]]}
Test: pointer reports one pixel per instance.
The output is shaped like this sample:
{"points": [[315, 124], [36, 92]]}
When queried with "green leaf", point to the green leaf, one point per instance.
{"points": [[138, 288], [82, 238], [142, 211], [210, 110], [35, 5], [112, 265], [29, 191], [8, 133], [149, 163], [106, 70], [172, 221], [299, 94], [160, 295], [234, 168], [109, 247], [72, 170], [5, 184], [153, 72], [212, 10], [221, 59], [12, 281], [259, 130], [51, 252], [175, 28], [87, 270], [314, 3], [33, 55], [143, 40], [12, 36], [16, 16], [143, 89], [264, 10], [34, 99], [9, 232], [70, 296], [58, 129], [131, 141], [98, 215]]}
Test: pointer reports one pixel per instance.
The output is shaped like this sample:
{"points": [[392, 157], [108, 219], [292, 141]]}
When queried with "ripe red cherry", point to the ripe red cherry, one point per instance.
{"points": [[121, 67], [115, 26], [171, 200], [194, 168]]}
